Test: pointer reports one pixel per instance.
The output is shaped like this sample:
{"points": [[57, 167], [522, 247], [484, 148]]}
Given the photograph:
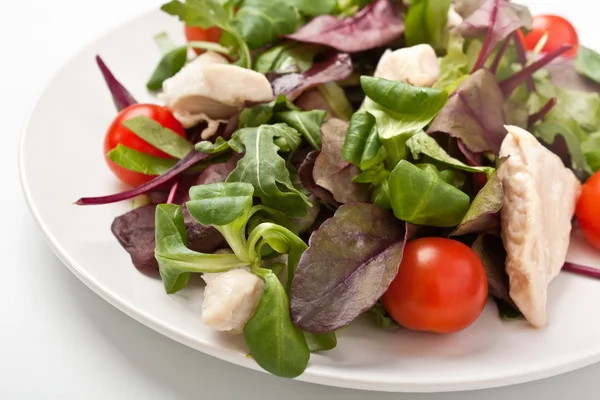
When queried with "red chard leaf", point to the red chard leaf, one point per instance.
{"points": [[373, 26], [350, 262], [121, 96], [305, 173]]}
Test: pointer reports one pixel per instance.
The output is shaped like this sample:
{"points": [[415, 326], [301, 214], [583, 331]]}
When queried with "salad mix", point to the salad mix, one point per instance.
{"points": [[316, 161]]}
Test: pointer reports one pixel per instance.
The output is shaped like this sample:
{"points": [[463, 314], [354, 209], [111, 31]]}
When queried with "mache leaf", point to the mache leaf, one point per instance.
{"points": [[426, 22]]}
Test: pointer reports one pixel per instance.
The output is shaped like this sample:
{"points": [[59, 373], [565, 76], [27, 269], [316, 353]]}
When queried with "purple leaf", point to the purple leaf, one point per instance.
{"points": [[135, 229], [121, 97], [563, 74], [582, 270], [373, 26], [305, 173], [135, 232], [496, 19], [474, 114], [491, 252], [483, 214], [332, 172], [336, 68], [188, 161], [350, 262]]}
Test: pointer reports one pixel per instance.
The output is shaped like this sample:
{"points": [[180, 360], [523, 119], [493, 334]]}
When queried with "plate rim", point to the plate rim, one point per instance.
{"points": [[576, 361]]}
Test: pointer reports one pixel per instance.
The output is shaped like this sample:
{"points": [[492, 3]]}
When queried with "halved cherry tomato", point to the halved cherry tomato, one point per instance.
{"points": [[118, 134], [560, 32], [441, 286], [197, 34], [587, 212]]}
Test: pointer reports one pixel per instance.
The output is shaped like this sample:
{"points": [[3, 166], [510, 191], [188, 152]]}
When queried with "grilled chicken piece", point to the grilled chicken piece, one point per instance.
{"points": [[417, 65]]}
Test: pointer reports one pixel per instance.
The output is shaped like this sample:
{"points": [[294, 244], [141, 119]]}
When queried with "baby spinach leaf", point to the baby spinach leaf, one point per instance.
{"points": [[220, 204], [320, 342], [474, 114], [588, 63], [423, 144], [382, 318], [266, 170], [274, 341], [401, 110], [175, 260], [419, 196], [158, 136], [169, 65], [362, 146], [426, 22], [286, 58], [373, 26], [331, 171], [308, 123], [261, 23], [351, 260], [483, 214], [137, 161]]}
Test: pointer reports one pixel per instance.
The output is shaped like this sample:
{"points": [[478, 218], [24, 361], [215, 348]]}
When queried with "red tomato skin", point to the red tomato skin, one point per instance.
{"points": [[560, 32], [118, 134], [441, 287], [587, 210], [197, 34]]}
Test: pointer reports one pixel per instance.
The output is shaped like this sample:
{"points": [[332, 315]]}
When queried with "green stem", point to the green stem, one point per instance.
{"points": [[209, 46]]}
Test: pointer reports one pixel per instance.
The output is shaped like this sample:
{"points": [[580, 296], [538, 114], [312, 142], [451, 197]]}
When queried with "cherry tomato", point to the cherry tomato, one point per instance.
{"points": [[587, 211], [197, 34], [560, 32], [118, 134], [441, 286]]}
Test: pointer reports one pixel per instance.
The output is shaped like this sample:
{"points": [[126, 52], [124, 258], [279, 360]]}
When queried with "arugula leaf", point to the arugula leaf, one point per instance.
{"points": [[423, 144], [308, 123], [175, 260], [320, 342], [401, 110], [170, 64], [274, 341], [313, 8], [263, 113], [588, 63], [158, 136], [419, 196], [454, 66], [261, 23], [137, 161], [266, 170], [426, 22]]}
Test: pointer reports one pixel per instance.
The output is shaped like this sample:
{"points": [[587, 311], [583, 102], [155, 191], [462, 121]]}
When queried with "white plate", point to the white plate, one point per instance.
{"points": [[61, 160]]}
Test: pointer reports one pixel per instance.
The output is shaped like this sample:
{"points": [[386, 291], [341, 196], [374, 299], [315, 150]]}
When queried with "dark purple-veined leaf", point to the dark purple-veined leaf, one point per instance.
{"points": [[336, 68], [121, 96], [350, 262], [374, 26], [332, 172], [490, 250], [582, 270], [483, 212], [305, 173], [135, 229], [522, 56], [187, 162], [474, 114], [497, 20]]}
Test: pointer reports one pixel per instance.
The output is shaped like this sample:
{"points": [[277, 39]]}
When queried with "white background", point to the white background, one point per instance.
{"points": [[58, 340]]}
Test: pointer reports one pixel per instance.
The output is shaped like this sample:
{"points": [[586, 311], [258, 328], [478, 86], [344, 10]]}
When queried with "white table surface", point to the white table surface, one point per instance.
{"points": [[59, 340]]}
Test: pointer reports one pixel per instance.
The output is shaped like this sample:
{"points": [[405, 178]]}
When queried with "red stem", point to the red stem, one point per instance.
{"points": [[582, 270], [533, 118], [522, 54], [499, 55], [488, 39], [510, 84], [173, 192]]}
